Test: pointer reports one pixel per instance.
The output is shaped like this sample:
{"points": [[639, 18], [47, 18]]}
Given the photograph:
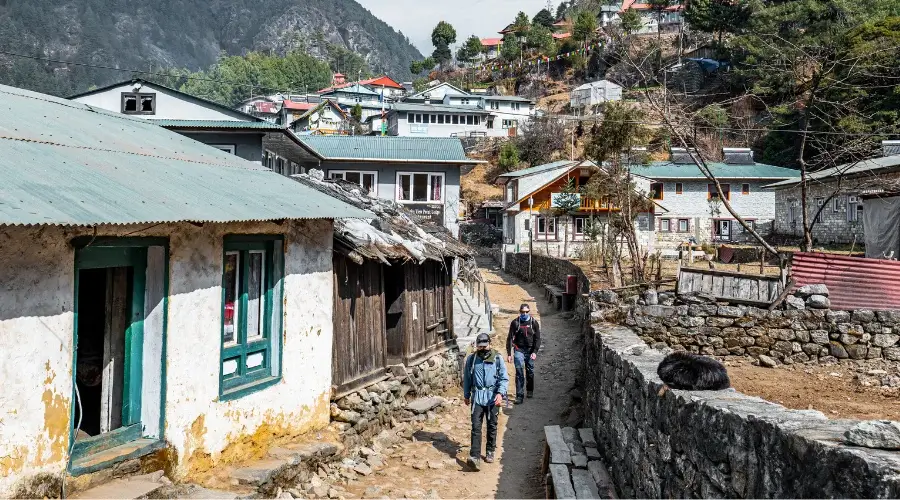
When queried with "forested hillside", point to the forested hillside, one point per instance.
{"points": [[190, 34]]}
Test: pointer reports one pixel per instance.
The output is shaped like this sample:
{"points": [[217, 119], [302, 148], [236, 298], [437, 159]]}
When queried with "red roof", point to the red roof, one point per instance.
{"points": [[266, 107], [338, 74], [298, 106], [560, 36], [491, 42], [383, 80], [632, 4]]}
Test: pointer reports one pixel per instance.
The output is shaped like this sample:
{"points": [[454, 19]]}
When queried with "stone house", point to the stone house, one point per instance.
{"points": [[152, 299], [840, 191], [326, 118], [692, 202]]}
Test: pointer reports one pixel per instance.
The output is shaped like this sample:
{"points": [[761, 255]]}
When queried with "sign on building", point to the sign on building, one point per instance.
{"points": [[428, 212]]}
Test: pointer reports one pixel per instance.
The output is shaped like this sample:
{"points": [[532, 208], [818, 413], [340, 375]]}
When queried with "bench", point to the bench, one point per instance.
{"points": [[571, 465], [553, 294]]}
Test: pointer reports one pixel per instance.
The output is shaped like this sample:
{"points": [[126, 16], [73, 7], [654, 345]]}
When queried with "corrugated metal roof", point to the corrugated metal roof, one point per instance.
{"points": [[669, 170], [66, 163], [853, 282], [444, 108], [846, 170], [537, 169], [216, 124], [397, 149]]}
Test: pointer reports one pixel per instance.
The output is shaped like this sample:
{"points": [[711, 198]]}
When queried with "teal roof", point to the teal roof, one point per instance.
{"points": [[353, 89], [540, 168], [67, 163], [442, 108], [388, 149], [235, 124], [669, 170]]}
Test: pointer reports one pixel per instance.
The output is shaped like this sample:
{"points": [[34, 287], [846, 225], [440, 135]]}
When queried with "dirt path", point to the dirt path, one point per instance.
{"points": [[433, 464]]}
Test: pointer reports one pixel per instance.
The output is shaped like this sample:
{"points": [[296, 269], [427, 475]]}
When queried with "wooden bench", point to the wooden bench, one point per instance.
{"points": [[554, 293]]}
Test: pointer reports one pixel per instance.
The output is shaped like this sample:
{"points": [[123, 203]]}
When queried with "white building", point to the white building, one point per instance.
{"points": [[691, 201], [158, 294], [594, 93]]}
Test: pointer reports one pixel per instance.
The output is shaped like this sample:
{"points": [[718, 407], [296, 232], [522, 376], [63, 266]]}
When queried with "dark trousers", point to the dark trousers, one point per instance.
{"points": [[479, 413], [524, 373]]}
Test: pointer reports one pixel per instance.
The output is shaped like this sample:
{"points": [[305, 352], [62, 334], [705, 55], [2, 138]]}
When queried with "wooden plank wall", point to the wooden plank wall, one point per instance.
{"points": [[359, 328], [428, 302], [735, 287]]}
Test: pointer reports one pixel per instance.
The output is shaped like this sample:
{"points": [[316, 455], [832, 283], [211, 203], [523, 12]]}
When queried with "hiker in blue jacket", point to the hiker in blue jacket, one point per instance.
{"points": [[484, 386]]}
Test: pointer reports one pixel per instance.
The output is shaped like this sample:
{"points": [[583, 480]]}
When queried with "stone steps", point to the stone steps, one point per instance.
{"points": [[572, 465]]}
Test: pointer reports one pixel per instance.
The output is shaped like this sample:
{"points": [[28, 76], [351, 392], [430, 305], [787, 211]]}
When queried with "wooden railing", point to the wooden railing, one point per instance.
{"points": [[594, 204]]}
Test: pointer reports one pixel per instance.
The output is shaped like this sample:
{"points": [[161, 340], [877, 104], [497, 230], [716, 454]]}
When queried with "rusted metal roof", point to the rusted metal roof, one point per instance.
{"points": [[853, 282], [394, 234]]}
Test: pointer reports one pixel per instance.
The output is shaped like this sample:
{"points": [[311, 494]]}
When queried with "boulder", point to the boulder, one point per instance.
{"points": [[818, 302], [606, 296], [880, 434], [810, 290], [795, 303], [767, 361], [651, 298]]}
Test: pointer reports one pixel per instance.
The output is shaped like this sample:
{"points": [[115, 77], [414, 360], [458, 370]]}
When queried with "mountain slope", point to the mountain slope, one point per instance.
{"points": [[180, 33]]}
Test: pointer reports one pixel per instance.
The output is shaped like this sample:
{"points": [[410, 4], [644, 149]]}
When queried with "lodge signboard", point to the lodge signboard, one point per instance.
{"points": [[428, 212]]}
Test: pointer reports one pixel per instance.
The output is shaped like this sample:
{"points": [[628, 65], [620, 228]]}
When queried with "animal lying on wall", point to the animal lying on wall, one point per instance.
{"points": [[685, 370]]}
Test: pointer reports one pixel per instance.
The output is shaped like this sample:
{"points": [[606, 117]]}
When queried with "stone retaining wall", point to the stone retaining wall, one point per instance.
{"points": [[719, 443], [362, 415]]}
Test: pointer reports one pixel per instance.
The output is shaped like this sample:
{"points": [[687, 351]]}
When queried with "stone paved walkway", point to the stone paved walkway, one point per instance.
{"points": [[432, 465]]}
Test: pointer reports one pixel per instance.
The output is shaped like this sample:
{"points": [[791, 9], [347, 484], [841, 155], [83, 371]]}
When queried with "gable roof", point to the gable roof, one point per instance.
{"points": [[383, 80], [393, 234], [597, 84], [298, 106], [442, 108], [317, 107], [184, 95], [431, 89], [536, 181], [668, 170], [847, 170], [353, 88], [491, 42], [388, 149], [535, 170], [67, 163]]}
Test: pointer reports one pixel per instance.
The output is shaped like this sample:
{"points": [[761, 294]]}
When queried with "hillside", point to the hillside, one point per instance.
{"points": [[188, 34]]}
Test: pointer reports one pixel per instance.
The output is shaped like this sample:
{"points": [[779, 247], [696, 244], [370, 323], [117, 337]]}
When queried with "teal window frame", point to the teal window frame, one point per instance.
{"points": [[246, 380]]}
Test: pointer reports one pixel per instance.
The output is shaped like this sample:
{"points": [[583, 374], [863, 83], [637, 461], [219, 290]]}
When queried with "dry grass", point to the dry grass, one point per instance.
{"points": [[476, 187]]}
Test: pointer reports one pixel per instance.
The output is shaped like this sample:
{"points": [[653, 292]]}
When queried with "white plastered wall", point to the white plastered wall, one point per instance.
{"points": [[36, 343]]}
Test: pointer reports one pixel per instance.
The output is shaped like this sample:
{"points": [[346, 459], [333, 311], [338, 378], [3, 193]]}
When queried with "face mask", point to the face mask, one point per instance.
{"points": [[482, 353], [524, 316]]}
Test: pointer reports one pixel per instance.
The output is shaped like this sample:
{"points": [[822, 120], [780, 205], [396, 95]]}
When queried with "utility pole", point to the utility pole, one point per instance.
{"points": [[530, 235]]}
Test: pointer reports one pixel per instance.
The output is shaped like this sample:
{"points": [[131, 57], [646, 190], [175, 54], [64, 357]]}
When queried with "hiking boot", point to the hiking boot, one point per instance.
{"points": [[530, 394], [474, 463], [520, 399], [489, 457]]}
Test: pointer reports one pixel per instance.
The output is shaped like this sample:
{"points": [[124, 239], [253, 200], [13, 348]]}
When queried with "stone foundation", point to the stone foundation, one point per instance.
{"points": [[363, 414], [716, 444]]}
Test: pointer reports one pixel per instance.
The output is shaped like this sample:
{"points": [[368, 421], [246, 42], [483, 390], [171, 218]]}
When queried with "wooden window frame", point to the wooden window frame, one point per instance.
{"points": [[268, 373], [138, 95], [546, 235], [668, 223], [687, 225], [662, 191], [712, 187], [679, 188], [745, 188]]}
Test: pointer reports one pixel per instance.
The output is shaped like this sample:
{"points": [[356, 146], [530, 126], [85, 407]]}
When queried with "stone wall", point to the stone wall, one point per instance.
{"points": [[790, 336], [716, 444], [362, 415]]}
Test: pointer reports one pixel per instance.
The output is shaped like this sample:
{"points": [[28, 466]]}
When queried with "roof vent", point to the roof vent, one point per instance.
{"points": [[680, 156], [890, 148], [738, 156]]}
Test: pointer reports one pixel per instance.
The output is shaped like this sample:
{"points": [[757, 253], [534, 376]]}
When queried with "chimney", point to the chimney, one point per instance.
{"points": [[890, 148], [738, 156], [680, 156]]}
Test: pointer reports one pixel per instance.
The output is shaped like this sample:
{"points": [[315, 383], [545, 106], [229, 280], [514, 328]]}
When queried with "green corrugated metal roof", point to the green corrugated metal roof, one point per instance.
{"points": [[538, 169], [397, 149], [66, 163], [669, 170], [444, 108], [216, 124]]}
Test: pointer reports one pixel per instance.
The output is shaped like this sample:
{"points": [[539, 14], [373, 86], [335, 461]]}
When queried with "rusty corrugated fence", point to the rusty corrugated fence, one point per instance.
{"points": [[853, 282]]}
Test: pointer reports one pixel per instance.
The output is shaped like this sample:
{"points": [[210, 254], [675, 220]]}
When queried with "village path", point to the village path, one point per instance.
{"points": [[433, 464]]}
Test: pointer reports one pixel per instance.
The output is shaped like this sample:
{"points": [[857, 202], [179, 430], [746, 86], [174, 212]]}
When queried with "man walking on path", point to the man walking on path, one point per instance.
{"points": [[484, 385], [525, 338]]}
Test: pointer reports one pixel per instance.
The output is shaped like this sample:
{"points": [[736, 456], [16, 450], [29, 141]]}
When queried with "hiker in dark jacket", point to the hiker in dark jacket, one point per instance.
{"points": [[484, 386], [522, 344]]}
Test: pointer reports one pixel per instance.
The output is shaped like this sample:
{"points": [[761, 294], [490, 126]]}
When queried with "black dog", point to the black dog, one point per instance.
{"points": [[684, 370]]}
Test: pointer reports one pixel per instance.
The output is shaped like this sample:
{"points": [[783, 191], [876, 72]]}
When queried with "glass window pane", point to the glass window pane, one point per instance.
{"points": [[368, 182], [130, 103], [420, 187], [256, 302], [437, 184], [147, 104], [229, 367], [230, 282], [404, 187], [353, 177], [256, 359]]}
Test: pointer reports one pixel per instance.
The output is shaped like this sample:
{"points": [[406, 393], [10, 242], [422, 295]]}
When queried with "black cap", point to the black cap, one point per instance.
{"points": [[482, 339]]}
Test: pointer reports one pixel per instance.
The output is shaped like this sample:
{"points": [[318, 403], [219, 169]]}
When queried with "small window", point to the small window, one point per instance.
{"points": [[456, 119], [579, 225], [420, 187], [854, 207], [367, 180], [745, 188], [656, 190], [433, 118], [665, 225], [515, 106], [750, 222], [818, 207], [251, 312], [546, 226], [477, 120], [495, 105], [713, 193], [679, 188], [465, 101], [228, 148], [138, 104], [684, 225], [490, 122], [440, 118], [836, 204], [469, 120]]}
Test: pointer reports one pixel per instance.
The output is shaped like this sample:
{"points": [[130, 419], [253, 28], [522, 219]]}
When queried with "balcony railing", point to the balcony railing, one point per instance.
{"points": [[594, 204]]}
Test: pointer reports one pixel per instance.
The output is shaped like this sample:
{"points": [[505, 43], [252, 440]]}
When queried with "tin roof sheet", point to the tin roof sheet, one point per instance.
{"points": [[537, 169], [853, 282], [669, 170], [387, 148], [216, 124], [67, 163], [846, 170]]}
